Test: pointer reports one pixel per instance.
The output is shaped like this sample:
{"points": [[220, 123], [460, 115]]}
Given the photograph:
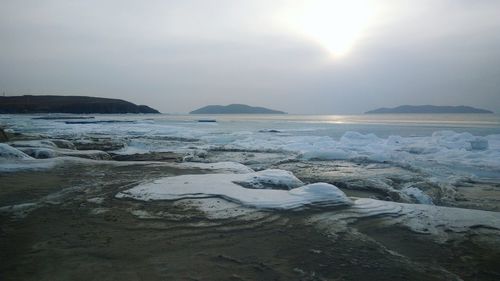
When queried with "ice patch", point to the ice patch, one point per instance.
{"points": [[437, 221], [224, 186], [9, 152], [96, 200], [142, 214], [434, 220], [271, 179], [99, 211], [417, 194], [441, 155]]}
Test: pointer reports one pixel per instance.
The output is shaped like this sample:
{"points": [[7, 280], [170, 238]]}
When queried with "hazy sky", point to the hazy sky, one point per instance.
{"points": [[297, 56]]}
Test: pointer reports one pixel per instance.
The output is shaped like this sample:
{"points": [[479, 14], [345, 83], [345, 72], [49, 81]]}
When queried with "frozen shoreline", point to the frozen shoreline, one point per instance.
{"points": [[146, 189]]}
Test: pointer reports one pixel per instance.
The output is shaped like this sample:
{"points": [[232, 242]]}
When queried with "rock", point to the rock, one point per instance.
{"points": [[44, 153], [3, 136], [89, 154], [98, 144], [34, 143], [153, 156], [39, 152], [64, 144]]}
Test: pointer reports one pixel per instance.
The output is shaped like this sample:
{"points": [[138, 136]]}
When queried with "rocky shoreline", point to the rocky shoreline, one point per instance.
{"points": [[61, 219]]}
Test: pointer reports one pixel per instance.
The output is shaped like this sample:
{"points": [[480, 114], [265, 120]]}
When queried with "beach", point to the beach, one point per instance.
{"points": [[250, 198]]}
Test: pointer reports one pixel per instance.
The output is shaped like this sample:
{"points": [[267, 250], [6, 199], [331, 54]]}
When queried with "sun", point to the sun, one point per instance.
{"points": [[335, 25]]}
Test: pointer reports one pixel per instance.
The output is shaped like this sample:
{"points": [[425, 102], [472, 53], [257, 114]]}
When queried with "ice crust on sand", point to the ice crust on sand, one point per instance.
{"points": [[229, 187], [439, 222]]}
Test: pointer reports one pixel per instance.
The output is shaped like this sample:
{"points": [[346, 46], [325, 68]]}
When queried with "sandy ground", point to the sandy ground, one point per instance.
{"points": [[79, 231]]}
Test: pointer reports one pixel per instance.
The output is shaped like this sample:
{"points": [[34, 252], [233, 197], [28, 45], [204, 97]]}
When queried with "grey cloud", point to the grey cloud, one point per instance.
{"points": [[178, 55]]}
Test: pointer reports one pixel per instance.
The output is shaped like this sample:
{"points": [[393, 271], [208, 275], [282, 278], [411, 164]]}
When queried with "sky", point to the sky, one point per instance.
{"points": [[302, 57]]}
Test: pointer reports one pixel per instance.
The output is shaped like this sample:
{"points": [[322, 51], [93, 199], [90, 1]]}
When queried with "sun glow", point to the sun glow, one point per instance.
{"points": [[335, 25]]}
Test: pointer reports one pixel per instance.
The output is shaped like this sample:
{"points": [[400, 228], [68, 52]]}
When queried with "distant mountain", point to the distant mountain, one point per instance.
{"points": [[69, 104], [428, 109], [234, 109]]}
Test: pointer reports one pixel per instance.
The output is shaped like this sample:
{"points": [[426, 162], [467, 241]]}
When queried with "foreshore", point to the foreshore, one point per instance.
{"points": [[61, 218]]}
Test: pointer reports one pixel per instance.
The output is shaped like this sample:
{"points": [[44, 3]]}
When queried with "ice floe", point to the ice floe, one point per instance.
{"points": [[231, 187]]}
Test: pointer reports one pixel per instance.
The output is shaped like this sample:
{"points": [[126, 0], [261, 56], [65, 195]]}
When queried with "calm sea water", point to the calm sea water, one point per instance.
{"points": [[314, 125], [336, 125]]}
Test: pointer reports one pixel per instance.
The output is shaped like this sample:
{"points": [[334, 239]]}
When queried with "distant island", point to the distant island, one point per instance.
{"points": [[428, 109], [69, 104], [235, 109]]}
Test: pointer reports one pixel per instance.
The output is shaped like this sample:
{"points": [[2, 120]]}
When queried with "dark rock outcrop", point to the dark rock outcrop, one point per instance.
{"points": [[152, 156], [61, 143], [104, 144], [428, 109], [3, 136], [69, 104], [235, 109]]}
